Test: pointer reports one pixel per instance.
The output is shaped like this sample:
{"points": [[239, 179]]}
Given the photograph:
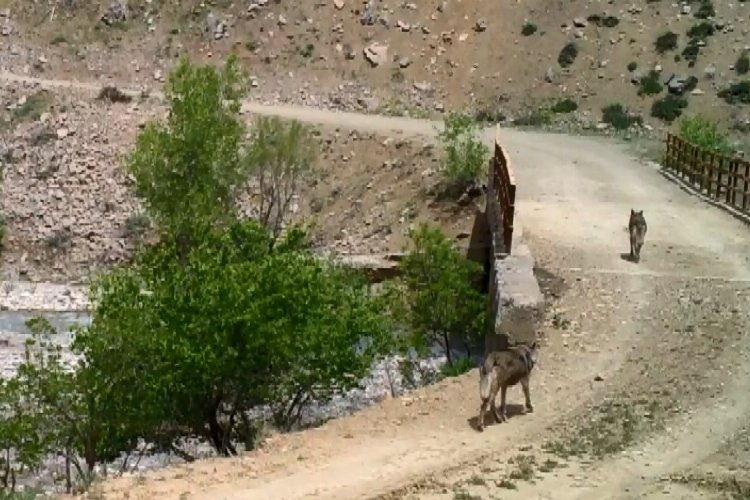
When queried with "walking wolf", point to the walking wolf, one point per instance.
{"points": [[503, 369], [637, 228]]}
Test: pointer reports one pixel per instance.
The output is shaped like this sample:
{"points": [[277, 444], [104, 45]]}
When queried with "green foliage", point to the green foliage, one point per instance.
{"points": [[618, 117], [136, 226], [666, 42], [459, 367], [465, 155], [705, 134], [568, 55], [442, 302], [691, 51], [566, 105], [742, 66], [701, 30], [203, 129], [528, 29], [705, 10], [650, 84], [235, 323], [736, 93], [632, 66], [280, 157], [668, 108]]}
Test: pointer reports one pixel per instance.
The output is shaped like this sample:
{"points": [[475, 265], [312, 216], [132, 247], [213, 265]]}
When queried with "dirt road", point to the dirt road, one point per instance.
{"points": [[676, 322]]}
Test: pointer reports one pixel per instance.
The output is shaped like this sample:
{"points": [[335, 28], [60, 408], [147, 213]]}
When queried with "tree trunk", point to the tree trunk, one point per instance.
{"points": [[447, 348]]}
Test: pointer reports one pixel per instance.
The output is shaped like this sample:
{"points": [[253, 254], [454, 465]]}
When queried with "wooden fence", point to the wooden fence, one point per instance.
{"points": [[501, 200], [718, 176]]}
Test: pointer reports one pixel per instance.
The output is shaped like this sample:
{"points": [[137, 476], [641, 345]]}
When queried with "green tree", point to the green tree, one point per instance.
{"points": [[190, 168], [466, 156], [443, 303]]}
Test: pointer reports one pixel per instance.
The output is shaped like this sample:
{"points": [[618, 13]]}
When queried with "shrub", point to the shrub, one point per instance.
{"points": [[465, 154], [537, 117], [705, 10], [528, 29], [704, 134], [650, 84], [701, 31], [691, 51], [632, 66], [668, 108], [742, 66], [736, 93], [443, 305], [568, 55], [618, 117], [136, 226], [564, 106], [666, 42], [35, 104]]}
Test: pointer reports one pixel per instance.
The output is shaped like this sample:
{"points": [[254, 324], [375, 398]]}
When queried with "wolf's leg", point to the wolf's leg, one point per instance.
{"points": [[482, 411], [503, 415], [526, 394]]}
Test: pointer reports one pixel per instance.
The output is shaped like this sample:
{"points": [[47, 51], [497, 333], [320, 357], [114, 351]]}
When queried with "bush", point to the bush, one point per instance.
{"points": [[466, 156], [666, 42], [632, 66], [443, 305], [564, 106], [742, 66], [736, 93], [668, 108], [650, 84], [701, 31], [568, 55], [704, 134], [528, 29], [537, 117], [705, 10], [691, 51], [618, 117]]}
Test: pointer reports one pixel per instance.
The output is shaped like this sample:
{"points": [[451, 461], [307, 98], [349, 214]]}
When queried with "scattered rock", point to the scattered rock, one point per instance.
{"points": [[480, 26], [339, 4], [580, 22], [376, 54]]}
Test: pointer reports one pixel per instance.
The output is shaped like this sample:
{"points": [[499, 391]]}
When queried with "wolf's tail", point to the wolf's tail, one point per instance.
{"points": [[486, 378]]}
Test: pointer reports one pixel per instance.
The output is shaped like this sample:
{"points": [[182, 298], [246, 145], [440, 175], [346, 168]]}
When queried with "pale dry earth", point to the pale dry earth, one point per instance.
{"points": [[629, 324]]}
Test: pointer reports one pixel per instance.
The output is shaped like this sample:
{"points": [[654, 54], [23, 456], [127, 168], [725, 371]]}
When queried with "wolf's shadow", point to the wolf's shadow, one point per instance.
{"points": [[511, 410], [627, 258]]}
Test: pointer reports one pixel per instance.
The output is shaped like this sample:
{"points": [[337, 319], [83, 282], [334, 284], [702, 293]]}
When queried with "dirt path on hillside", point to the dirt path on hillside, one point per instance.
{"points": [[574, 195]]}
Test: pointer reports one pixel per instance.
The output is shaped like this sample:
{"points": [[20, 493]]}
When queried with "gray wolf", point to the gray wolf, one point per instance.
{"points": [[503, 369], [637, 228]]}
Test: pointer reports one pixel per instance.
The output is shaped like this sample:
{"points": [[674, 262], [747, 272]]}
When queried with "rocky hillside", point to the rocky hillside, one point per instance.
{"points": [[531, 62], [68, 208]]}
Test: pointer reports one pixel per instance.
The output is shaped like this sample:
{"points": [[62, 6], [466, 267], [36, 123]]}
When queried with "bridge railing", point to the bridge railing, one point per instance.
{"points": [[718, 176], [501, 199]]}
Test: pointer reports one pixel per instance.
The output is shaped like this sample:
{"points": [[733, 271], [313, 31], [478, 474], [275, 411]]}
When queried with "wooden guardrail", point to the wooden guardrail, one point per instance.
{"points": [[501, 199], [721, 177]]}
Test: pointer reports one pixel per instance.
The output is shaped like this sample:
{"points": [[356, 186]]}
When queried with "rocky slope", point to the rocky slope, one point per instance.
{"points": [[502, 59]]}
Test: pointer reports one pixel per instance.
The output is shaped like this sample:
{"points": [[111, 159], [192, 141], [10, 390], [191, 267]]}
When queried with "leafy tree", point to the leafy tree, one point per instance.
{"points": [[281, 157], [466, 156], [443, 305], [190, 168]]}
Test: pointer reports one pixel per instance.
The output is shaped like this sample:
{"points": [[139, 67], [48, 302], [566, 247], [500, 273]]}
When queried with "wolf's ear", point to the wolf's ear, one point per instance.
{"points": [[533, 346], [632, 212], [640, 213]]}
